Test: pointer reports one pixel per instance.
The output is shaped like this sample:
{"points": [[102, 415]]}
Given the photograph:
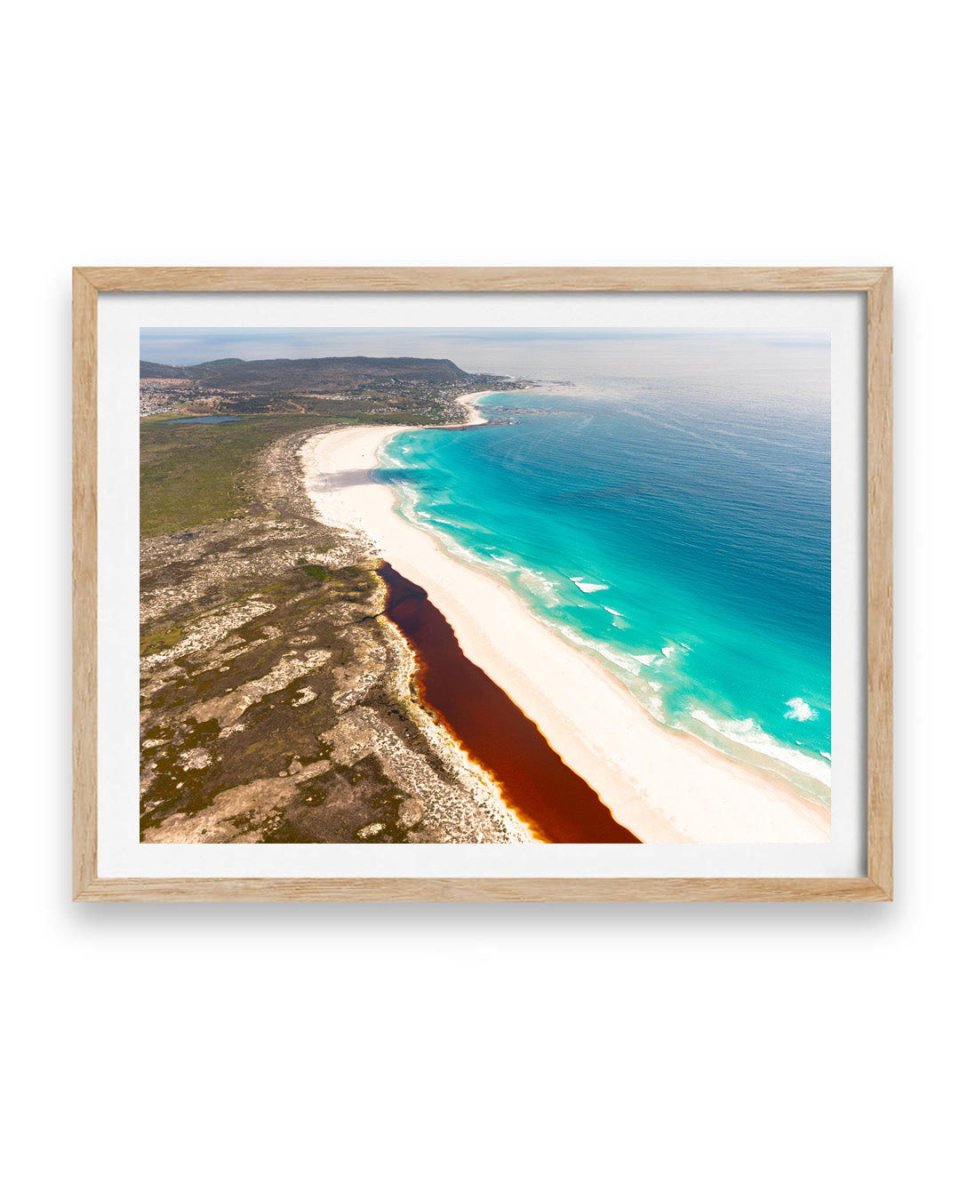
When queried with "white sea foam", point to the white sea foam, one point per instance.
{"points": [[799, 710], [749, 734], [585, 586], [646, 659], [621, 660], [617, 657], [612, 611], [542, 588]]}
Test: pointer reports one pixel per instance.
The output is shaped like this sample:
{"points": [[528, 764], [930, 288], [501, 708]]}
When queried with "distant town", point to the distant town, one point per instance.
{"points": [[413, 389]]}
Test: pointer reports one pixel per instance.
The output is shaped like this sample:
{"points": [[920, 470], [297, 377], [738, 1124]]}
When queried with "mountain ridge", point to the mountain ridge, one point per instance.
{"points": [[346, 386], [306, 370]]}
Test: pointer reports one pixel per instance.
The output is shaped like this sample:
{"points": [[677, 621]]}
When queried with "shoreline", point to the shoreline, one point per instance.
{"points": [[532, 779], [474, 417], [661, 784]]}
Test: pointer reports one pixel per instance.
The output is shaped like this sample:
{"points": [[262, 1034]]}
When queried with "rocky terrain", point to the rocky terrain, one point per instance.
{"points": [[277, 702]]}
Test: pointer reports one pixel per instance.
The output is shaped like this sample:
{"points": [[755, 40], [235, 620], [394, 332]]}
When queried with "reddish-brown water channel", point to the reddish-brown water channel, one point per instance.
{"points": [[534, 779]]}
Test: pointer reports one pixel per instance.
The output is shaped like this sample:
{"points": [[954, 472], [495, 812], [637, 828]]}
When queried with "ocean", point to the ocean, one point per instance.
{"points": [[680, 538]]}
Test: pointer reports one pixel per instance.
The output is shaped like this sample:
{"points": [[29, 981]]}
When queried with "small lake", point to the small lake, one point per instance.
{"points": [[202, 420]]}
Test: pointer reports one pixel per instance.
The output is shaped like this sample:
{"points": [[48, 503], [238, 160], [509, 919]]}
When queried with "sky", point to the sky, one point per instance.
{"points": [[779, 364]]}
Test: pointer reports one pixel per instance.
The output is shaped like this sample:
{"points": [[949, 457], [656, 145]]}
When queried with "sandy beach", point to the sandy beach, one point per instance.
{"points": [[662, 785], [469, 401]]}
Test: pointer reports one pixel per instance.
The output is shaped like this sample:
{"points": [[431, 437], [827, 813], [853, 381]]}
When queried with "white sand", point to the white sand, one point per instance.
{"points": [[663, 785], [476, 416]]}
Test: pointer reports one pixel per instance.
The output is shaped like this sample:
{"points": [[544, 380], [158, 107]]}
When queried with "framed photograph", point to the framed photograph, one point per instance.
{"points": [[482, 584]]}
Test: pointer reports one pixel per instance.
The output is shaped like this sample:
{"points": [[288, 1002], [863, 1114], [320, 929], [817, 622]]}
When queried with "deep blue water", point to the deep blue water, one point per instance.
{"points": [[687, 543]]}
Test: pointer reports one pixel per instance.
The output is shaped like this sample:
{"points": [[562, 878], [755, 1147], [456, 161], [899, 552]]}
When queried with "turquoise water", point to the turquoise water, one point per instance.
{"points": [[685, 544]]}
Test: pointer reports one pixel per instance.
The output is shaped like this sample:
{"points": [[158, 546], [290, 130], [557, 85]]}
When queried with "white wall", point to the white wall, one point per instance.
{"points": [[363, 1052]]}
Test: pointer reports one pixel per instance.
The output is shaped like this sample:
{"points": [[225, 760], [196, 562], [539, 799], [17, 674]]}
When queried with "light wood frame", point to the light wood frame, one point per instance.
{"points": [[876, 283]]}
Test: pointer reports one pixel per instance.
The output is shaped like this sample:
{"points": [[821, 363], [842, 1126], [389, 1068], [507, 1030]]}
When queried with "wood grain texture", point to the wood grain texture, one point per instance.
{"points": [[874, 282], [84, 583], [880, 583], [482, 279], [481, 890]]}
